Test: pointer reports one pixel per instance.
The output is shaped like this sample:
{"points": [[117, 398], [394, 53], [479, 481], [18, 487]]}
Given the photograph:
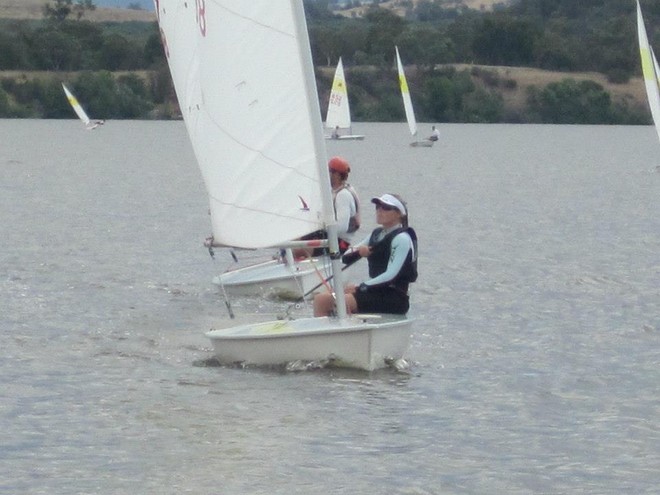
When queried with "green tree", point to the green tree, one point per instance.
{"points": [[425, 46], [13, 53], [132, 99], [117, 53], [482, 106], [384, 26], [325, 44], [54, 49], [4, 104], [153, 48], [53, 103], [60, 10], [572, 102], [502, 40]]}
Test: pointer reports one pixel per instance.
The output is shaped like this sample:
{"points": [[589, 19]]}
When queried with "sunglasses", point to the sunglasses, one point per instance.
{"points": [[385, 207]]}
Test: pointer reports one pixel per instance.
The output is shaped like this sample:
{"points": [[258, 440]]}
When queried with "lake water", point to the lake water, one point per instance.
{"points": [[535, 358]]}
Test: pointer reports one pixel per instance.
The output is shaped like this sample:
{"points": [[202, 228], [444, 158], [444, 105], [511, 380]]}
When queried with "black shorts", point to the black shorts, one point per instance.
{"points": [[382, 300]]}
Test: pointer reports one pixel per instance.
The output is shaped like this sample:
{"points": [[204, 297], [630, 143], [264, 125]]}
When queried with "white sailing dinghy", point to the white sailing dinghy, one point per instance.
{"points": [[80, 112], [283, 278], [244, 78], [650, 70], [408, 106], [338, 118]]}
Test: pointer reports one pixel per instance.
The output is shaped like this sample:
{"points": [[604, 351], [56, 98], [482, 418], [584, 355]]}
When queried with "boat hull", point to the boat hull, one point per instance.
{"points": [[421, 144], [366, 342], [275, 279], [350, 137]]}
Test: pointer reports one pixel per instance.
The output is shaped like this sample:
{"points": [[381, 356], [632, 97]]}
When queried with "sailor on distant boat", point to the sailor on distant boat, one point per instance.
{"points": [[435, 134], [93, 125], [391, 251]]}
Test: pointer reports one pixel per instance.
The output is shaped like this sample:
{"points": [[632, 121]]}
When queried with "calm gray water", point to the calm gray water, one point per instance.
{"points": [[535, 354]]}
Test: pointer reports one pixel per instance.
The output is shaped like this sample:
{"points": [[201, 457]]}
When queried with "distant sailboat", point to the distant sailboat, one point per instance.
{"points": [[407, 104], [649, 69], [80, 112], [338, 118]]}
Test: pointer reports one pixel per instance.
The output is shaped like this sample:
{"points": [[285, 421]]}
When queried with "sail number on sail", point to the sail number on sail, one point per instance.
{"points": [[200, 7]]}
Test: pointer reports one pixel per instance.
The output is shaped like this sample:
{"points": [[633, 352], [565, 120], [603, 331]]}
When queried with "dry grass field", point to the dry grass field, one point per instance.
{"points": [[526, 77], [397, 6], [33, 9]]}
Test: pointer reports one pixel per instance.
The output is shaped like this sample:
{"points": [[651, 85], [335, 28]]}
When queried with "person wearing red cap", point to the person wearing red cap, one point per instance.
{"points": [[347, 208], [391, 252], [345, 200]]}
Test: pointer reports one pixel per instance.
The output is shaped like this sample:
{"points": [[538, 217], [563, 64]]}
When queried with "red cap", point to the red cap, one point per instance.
{"points": [[338, 164]]}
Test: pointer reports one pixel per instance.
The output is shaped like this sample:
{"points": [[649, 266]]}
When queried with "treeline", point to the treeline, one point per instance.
{"points": [[562, 35], [118, 70]]}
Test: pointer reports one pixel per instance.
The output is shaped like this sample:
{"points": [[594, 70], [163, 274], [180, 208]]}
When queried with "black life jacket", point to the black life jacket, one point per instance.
{"points": [[380, 257]]}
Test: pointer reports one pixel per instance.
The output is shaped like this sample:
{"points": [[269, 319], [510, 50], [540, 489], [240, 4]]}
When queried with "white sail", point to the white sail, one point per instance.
{"points": [[339, 111], [649, 69], [240, 79], [73, 101], [405, 94]]}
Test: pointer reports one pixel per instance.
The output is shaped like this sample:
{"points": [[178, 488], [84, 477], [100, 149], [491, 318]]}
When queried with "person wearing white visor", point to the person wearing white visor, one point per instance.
{"points": [[391, 252]]}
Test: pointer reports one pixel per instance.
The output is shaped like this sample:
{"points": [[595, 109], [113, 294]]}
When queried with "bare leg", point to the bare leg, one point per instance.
{"points": [[324, 304]]}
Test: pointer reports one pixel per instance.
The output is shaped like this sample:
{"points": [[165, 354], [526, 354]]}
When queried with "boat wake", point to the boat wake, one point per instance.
{"points": [[399, 365]]}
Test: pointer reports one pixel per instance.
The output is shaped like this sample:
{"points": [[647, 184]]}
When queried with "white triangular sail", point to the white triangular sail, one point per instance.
{"points": [[339, 111], [240, 79], [649, 69], [405, 94], [338, 118], [73, 101]]}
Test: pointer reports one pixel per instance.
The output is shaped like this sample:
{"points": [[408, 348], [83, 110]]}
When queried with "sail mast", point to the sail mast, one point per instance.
{"points": [[320, 153]]}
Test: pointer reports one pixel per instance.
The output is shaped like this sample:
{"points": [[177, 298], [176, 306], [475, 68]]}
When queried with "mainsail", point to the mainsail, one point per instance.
{"points": [[239, 72], [649, 69], [405, 94]]}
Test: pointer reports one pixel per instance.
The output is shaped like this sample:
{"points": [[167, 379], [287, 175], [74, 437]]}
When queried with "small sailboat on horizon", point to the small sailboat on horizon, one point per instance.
{"points": [[338, 118], [80, 112], [408, 106]]}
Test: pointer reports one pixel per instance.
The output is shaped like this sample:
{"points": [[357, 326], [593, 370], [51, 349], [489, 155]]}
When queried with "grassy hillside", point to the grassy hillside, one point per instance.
{"points": [[633, 91], [33, 9], [399, 6], [514, 92]]}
